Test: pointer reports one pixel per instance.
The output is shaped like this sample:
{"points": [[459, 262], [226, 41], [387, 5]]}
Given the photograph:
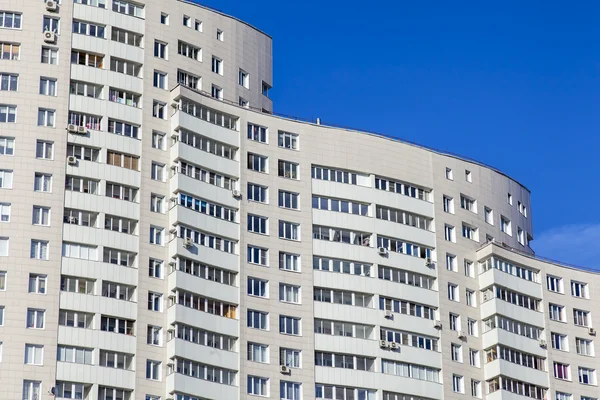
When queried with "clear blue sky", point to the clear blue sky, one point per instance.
{"points": [[513, 84]]}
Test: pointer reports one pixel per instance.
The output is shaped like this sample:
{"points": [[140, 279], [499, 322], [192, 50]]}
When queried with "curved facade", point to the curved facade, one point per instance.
{"points": [[203, 248]]}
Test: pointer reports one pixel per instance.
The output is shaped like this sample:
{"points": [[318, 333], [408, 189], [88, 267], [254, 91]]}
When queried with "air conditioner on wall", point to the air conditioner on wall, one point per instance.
{"points": [[284, 369], [382, 251], [71, 160], [51, 5], [49, 37], [187, 242]]}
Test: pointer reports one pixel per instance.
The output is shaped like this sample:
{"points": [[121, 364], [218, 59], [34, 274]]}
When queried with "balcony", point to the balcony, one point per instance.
{"points": [[200, 189], [497, 306], [103, 340], [98, 305], [212, 162], [100, 237], [104, 376], [518, 342], [219, 133], [495, 276], [220, 227], [99, 271], [204, 287], [515, 371], [102, 204], [196, 352], [204, 254], [210, 322], [209, 390]]}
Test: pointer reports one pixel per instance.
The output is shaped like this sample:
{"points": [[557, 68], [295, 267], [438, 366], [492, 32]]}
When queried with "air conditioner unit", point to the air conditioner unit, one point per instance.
{"points": [[284, 369], [429, 262], [173, 199], [175, 104], [175, 137], [592, 331], [543, 343], [172, 264], [51, 5], [394, 346], [71, 160], [170, 365], [187, 242], [72, 128], [383, 344], [382, 251], [171, 330], [437, 324], [82, 130], [174, 167], [461, 335], [49, 37], [173, 231], [236, 193], [388, 313]]}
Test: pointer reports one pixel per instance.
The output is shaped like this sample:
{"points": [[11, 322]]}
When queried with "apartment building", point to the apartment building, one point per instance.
{"points": [[203, 248]]}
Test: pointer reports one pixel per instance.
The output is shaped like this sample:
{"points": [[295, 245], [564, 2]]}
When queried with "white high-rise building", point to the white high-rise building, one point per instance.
{"points": [[164, 236]]}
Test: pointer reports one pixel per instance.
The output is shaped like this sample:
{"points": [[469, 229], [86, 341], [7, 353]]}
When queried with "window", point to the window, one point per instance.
{"points": [[46, 117], [189, 51], [75, 284], [555, 284], [468, 176], [8, 114], [258, 386], [10, 20], [121, 192], [118, 257], [158, 140], [116, 325], [458, 384], [475, 388], [208, 114], [562, 371], [265, 89], [120, 224], [2, 281], [7, 146], [124, 97], [126, 37], [456, 352], [258, 133], [579, 289], [258, 320], [470, 232], [509, 198], [258, 224], [290, 390], [34, 354], [258, 163], [244, 79], [37, 283], [587, 376], [472, 327], [288, 169], [563, 396], [89, 59], [126, 67], [258, 193], [559, 341], [474, 359], [522, 209], [198, 25], [287, 140], [79, 355], [469, 268], [9, 82], [83, 185], [468, 204], [258, 352], [39, 249], [470, 298], [243, 102], [5, 212], [451, 264], [158, 171], [49, 55], [164, 18], [154, 335], [453, 291], [289, 293], [75, 319], [155, 268], [289, 200], [488, 215], [289, 325], [520, 236], [258, 287], [125, 7], [289, 230], [187, 21], [160, 79], [10, 51], [449, 174], [155, 301], [289, 262], [454, 320], [505, 225], [113, 359], [217, 65], [585, 347], [156, 203], [44, 150], [153, 370], [449, 233], [32, 390], [258, 255], [217, 92], [581, 318], [89, 29], [122, 160], [35, 318], [6, 179], [80, 251], [448, 204], [220, 35], [290, 357], [51, 24], [186, 79], [160, 49]]}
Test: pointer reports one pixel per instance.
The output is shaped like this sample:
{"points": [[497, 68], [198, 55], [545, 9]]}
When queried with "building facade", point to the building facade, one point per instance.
{"points": [[203, 248]]}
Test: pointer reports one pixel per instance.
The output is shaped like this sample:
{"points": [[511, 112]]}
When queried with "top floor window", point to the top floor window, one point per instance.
{"points": [[287, 140], [220, 35], [258, 133], [341, 176], [404, 188]]}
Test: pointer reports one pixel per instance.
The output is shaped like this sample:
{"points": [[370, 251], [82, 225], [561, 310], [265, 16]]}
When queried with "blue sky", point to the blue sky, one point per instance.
{"points": [[513, 84]]}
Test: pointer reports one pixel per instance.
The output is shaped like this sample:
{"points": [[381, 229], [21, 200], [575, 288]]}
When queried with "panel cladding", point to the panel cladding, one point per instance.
{"points": [[181, 217]]}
